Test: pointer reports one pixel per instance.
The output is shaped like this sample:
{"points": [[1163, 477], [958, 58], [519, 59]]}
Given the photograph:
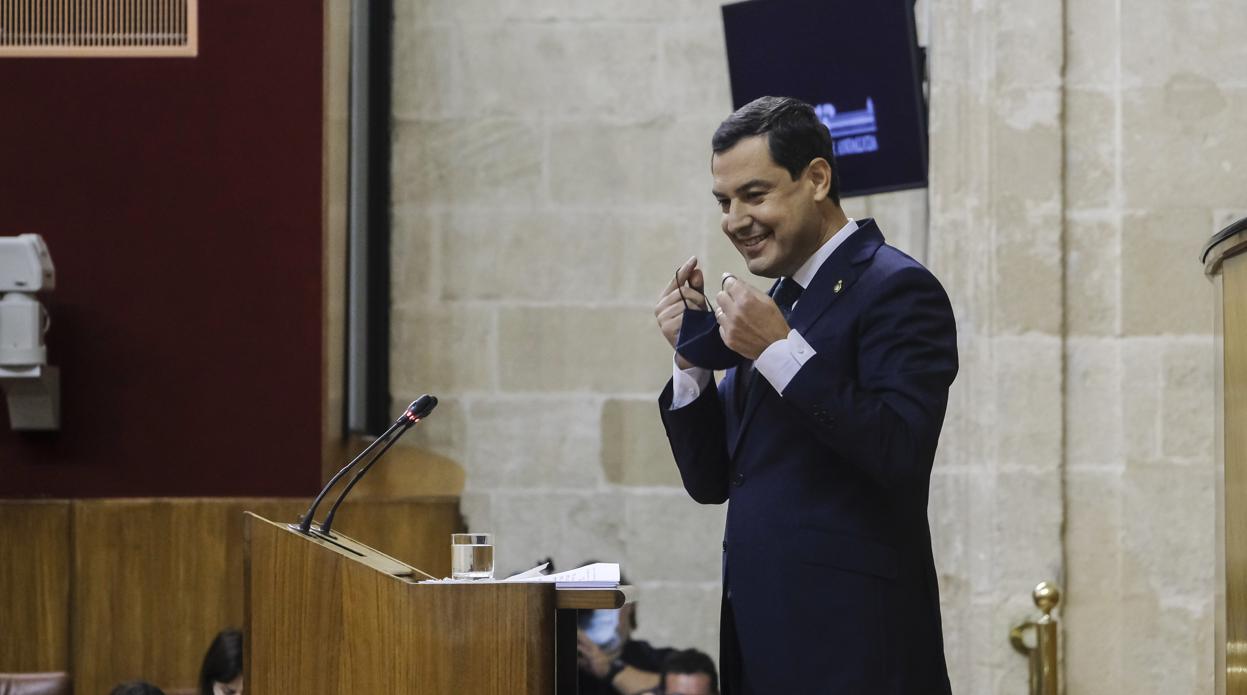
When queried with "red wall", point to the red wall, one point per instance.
{"points": [[181, 201]]}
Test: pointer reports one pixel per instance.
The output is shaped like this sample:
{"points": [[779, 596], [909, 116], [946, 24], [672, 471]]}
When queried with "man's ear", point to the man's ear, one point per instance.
{"points": [[818, 172]]}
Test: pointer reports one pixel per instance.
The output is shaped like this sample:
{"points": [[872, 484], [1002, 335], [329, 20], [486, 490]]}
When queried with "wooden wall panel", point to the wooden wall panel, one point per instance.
{"points": [[117, 589], [34, 586], [152, 588]]}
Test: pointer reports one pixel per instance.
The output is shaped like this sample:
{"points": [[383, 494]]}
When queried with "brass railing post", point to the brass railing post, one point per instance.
{"points": [[1044, 671]]}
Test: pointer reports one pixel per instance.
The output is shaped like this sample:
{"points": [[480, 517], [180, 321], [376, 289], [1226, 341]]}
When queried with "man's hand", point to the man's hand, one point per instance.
{"points": [[669, 311], [749, 321], [591, 657]]}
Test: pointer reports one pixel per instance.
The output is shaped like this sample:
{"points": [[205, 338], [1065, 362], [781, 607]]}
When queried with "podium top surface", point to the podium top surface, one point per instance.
{"points": [[1230, 241], [595, 598], [583, 599]]}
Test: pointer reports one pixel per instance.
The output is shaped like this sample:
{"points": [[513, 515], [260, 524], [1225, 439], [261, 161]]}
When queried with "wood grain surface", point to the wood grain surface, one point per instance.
{"points": [[34, 586], [323, 621], [111, 590]]}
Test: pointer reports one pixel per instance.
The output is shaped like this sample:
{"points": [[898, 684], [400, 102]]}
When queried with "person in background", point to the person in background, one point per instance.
{"points": [[221, 673], [689, 672], [610, 660], [136, 688]]}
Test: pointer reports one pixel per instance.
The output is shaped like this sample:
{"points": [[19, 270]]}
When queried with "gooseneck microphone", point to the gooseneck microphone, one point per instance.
{"points": [[417, 411]]}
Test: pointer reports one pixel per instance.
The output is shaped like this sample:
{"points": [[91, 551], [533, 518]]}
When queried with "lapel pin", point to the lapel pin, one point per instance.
{"points": [[839, 286]]}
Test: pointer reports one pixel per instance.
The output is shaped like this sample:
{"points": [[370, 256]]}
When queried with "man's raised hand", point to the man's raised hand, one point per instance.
{"points": [[749, 320], [688, 285]]}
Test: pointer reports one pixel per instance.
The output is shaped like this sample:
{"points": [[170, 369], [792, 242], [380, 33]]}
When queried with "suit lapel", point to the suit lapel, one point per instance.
{"points": [[832, 281]]}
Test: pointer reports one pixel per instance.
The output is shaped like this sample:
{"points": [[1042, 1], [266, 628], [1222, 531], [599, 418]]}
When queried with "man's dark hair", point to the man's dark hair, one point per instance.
{"points": [[223, 661], [793, 133], [136, 688], [691, 662]]}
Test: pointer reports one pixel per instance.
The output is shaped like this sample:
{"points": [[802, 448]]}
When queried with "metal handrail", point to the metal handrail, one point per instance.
{"points": [[1043, 657]]}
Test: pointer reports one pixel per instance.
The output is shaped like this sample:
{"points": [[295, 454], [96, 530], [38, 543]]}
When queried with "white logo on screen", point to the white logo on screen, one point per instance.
{"points": [[852, 131]]}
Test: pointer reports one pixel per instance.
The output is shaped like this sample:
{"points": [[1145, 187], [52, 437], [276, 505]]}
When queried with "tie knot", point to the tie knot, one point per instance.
{"points": [[786, 294]]}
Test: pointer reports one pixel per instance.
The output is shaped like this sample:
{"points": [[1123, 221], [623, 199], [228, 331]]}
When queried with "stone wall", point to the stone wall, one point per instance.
{"points": [[551, 172], [550, 162], [1156, 161]]}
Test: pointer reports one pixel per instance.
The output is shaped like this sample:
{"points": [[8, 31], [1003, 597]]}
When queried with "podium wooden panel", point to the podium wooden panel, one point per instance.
{"points": [[1225, 261], [328, 618]]}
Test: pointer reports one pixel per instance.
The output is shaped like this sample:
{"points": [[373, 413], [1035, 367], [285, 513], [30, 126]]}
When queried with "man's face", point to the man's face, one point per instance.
{"points": [[771, 219], [687, 684]]}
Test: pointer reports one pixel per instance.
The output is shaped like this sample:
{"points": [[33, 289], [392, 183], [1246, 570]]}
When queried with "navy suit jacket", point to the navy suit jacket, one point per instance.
{"points": [[827, 565]]}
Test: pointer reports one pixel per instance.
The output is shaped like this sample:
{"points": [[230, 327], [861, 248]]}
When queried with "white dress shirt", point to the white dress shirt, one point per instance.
{"points": [[782, 359]]}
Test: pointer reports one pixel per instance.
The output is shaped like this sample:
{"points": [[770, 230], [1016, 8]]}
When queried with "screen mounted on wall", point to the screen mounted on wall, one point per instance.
{"points": [[856, 62]]}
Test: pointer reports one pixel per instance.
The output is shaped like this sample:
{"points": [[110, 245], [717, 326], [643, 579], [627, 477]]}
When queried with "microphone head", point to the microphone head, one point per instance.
{"points": [[421, 407]]}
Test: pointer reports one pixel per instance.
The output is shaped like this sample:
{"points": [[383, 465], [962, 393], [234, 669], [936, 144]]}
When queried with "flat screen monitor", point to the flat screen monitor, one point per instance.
{"points": [[857, 62]]}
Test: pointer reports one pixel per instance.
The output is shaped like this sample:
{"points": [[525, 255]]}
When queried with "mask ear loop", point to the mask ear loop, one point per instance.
{"points": [[678, 286]]}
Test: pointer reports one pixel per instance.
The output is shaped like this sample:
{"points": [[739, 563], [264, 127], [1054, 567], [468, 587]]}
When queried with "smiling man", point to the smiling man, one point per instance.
{"points": [[823, 431]]}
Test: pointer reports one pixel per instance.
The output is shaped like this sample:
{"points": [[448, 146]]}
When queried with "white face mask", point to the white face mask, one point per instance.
{"points": [[602, 628]]}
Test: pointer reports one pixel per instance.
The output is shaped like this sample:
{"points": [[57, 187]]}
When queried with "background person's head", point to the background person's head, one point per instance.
{"points": [[221, 673], [689, 672], [776, 183], [136, 688], [608, 628]]}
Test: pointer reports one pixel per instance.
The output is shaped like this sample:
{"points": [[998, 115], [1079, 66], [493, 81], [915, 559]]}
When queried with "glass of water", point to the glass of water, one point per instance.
{"points": [[472, 555]]}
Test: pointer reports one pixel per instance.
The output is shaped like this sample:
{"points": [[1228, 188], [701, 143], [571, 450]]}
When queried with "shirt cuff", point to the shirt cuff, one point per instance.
{"points": [[782, 359], [687, 384]]}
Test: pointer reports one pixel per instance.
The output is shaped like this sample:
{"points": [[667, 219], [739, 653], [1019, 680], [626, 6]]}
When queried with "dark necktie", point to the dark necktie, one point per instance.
{"points": [[785, 296]]}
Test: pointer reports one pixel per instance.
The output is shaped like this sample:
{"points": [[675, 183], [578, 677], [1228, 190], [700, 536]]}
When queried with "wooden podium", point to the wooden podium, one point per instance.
{"points": [[335, 616], [1225, 262]]}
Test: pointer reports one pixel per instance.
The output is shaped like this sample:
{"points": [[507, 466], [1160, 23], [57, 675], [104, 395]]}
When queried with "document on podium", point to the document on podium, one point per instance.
{"points": [[599, 575]]}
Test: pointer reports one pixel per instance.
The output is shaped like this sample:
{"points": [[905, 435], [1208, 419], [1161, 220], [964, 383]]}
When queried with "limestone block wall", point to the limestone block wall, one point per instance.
{"points": [[1156, 161], [551, 170]]}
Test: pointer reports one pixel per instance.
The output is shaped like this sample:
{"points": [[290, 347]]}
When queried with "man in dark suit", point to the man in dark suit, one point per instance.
{"points": [[824, 431]]}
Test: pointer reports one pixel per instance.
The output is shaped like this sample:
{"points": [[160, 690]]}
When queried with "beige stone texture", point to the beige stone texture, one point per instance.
{"points": [[427, 73], [551, 170], [1141, 389], [1029, 43], [697, 606], [1161, 294], [1183, 144], [671, 538], [691, 76], [659, 163], [574, 256], [1093, 412], [1028, 402], [634, 446], [453, 161], [1167, 552], [613, 11], [1163, 40], [1090, 149], [1092, 44], [1028, 280], [581, 349], [415, 246], [442, 348], [1187, 398], [1092, 275], [560, 70], [524, 442]]}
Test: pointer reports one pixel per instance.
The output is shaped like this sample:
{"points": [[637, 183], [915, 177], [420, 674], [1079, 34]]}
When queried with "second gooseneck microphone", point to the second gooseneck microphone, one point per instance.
{"points": [[417, 411]]}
